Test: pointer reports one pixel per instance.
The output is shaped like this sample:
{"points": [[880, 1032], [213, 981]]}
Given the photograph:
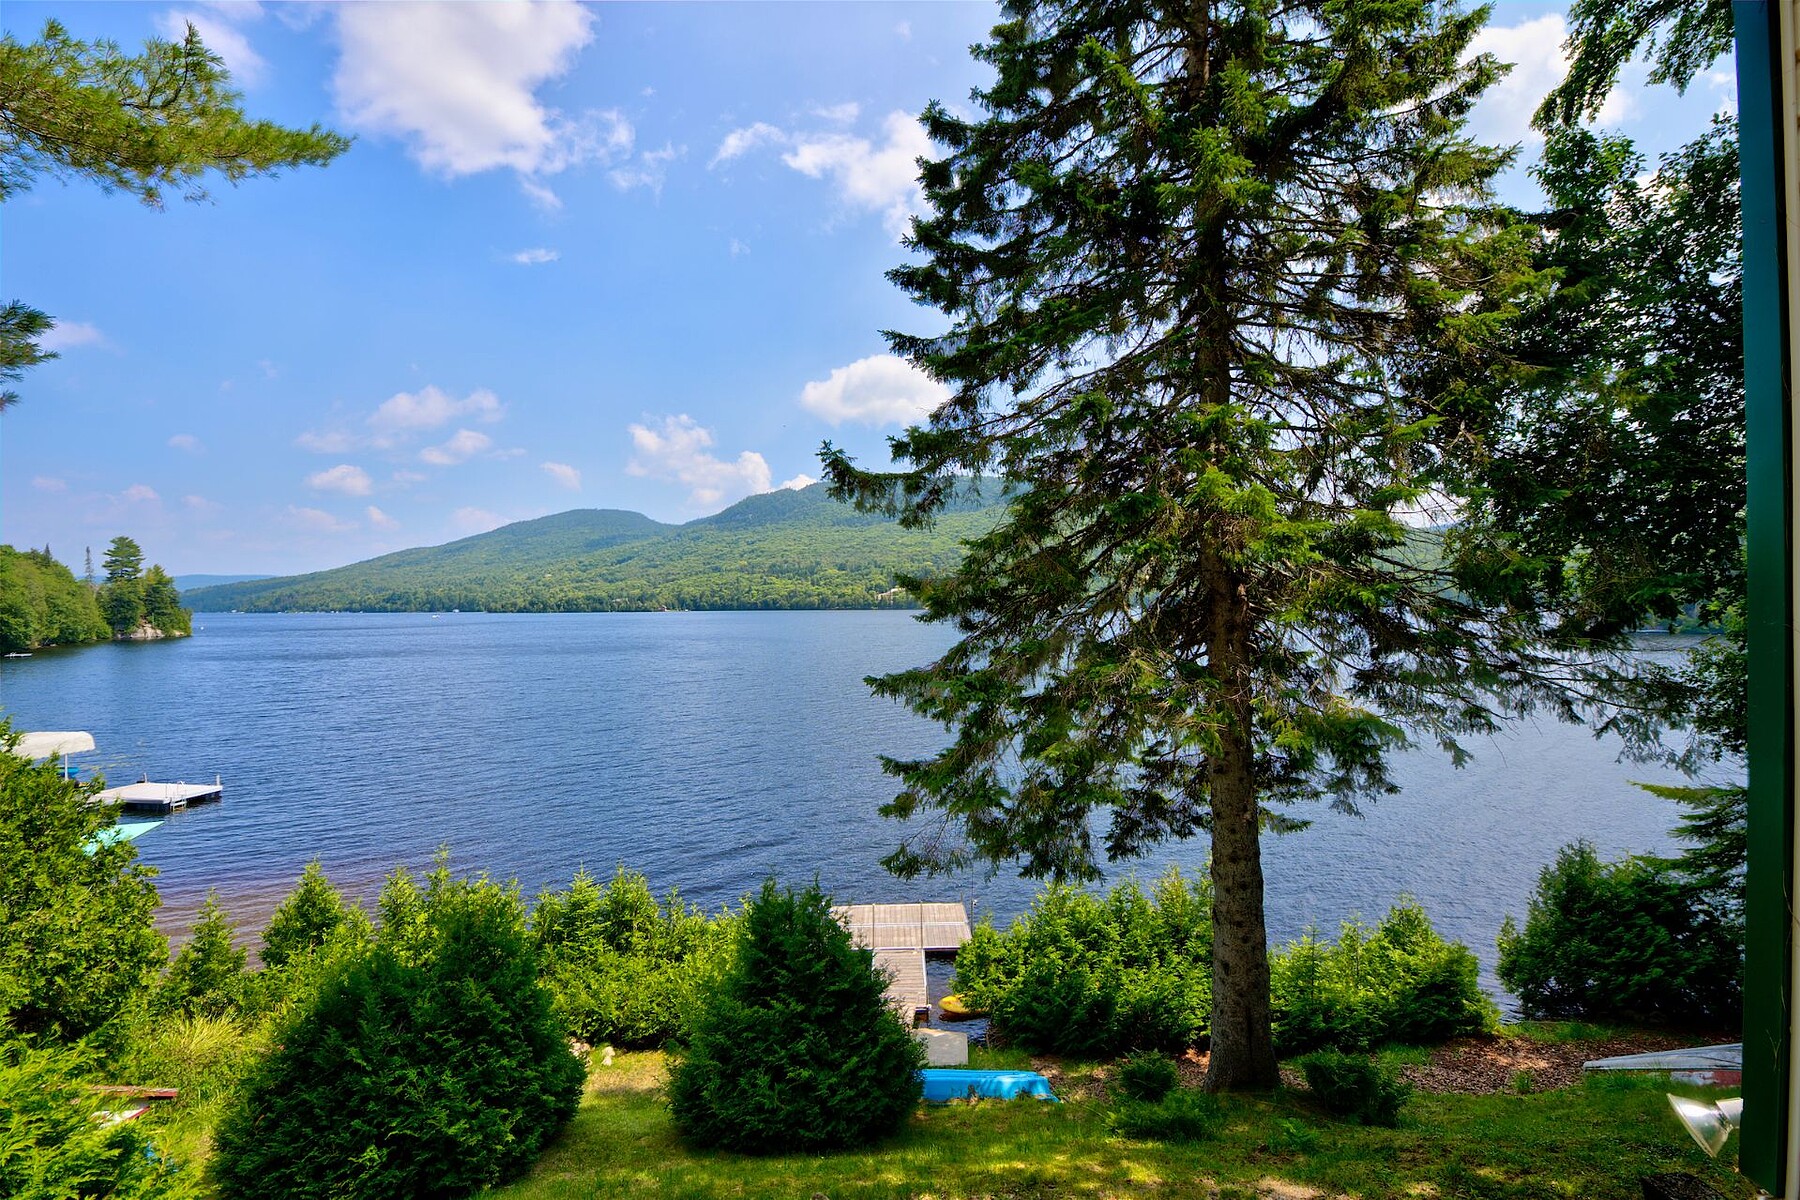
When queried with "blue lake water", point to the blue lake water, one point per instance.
{"points": [[706, 750]]}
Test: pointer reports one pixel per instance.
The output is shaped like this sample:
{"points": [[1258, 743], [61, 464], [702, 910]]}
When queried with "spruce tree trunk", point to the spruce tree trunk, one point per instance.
{"points": [[1243, 1047]]}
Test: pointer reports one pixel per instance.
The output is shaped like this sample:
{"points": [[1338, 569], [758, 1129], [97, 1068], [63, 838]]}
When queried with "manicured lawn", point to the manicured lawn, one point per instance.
{"points": [[1593, 1141]]}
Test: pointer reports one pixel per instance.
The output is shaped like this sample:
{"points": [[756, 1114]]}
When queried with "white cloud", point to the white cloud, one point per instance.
{"points": [[326, 441], [406, 478], [904, 29], [201, 504], [878, 390], [802, 480], [316, 520], [649, 171], [740, 142], [738, 249], [221, 36], [678, 450], [881, 179], [186, 441], [345, 478], [475, 520], [379, 519], [404, 416], [141, 493], [840, 114], [430, 407], [463, 445], [563, 473], [269, 369], [539, 194], [536, 256], [1535, 48], [49, 483], [458, 83], [71, 335]]}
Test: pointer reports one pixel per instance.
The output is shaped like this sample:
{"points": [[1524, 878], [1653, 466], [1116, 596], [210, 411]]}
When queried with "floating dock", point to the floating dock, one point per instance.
{"points": [[161, 798], [901, 935]]}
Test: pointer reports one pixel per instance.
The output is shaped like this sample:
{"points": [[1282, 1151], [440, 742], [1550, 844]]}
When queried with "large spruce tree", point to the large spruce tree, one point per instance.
{"points": [[1216, 272]]}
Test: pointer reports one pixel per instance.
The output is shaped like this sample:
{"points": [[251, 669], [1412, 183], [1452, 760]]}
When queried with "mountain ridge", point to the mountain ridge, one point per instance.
{"points": [[785, 549]]}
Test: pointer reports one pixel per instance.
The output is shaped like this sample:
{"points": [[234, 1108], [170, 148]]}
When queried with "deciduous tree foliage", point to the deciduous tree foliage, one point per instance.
{"points": [[149, 123], [43, 604], [76, 940], [1216, 273]]}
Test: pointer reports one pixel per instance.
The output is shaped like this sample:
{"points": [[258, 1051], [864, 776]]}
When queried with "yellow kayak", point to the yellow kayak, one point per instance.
{"points": [[955, 1008]]}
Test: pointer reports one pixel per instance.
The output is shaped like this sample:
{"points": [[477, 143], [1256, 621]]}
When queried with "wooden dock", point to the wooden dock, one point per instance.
{"points": [[901, 935], [163, 798]]}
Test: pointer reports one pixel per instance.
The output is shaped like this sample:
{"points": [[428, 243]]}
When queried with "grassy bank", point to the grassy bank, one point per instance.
{"points": [[1594, 1140]]}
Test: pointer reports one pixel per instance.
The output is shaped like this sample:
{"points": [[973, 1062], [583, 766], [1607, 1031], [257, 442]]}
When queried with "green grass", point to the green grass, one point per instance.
{"points": [[1588, 1142]]}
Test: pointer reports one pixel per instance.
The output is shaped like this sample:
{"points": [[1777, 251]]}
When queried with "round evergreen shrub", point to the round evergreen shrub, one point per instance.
{"points": [[1621, 939], [797, 1048], [430, 1065]]}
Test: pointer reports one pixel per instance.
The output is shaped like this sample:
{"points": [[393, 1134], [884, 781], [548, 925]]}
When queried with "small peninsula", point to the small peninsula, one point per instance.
{"points": [[43, 604]]}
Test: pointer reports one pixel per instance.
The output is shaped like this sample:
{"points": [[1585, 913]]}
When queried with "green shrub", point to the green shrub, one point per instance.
{"points": [[1398, 983], [796, 1048], [622, 967], [1147, 1076], [311, 915], [1184, 1115], [207, 976], [53, 1148], [1357, 1086], [77, 946], [1091, 976], [312, 934], [1621, 940], [431, 1064]]}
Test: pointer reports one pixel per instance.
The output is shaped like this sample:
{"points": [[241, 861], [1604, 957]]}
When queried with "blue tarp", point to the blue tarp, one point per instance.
{"points": [[943, 1085], [124, 831]]}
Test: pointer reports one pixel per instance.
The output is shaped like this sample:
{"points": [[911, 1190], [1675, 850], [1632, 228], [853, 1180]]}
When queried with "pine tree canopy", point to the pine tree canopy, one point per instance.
{"points": [[1219, 275], [143, 123]]}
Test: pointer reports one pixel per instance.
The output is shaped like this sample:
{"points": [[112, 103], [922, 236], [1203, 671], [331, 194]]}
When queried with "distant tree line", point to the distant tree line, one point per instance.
{"points": [[42, 603]]}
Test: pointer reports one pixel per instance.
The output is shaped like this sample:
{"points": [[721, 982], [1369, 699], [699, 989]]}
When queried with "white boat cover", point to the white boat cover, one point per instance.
{"points": [[49, 745]]}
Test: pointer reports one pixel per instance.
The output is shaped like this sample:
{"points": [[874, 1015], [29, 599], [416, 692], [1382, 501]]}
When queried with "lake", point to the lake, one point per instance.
{"points": [[706, 750]]}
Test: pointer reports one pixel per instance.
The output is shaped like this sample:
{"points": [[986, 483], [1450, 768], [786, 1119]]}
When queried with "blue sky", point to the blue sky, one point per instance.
{"points": [[622, 256]]}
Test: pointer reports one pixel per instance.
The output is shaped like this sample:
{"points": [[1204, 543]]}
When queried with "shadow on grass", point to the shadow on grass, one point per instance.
{"points": [[1593, 1141]]}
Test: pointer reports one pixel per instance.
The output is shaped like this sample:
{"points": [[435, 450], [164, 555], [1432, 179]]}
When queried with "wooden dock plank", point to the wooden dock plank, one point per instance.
{"points": [[906, 969], [901, 935]]}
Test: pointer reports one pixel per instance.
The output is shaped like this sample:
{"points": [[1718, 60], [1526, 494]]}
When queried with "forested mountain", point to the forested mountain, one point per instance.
{"points": [[786, 549], [188, 583]]}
